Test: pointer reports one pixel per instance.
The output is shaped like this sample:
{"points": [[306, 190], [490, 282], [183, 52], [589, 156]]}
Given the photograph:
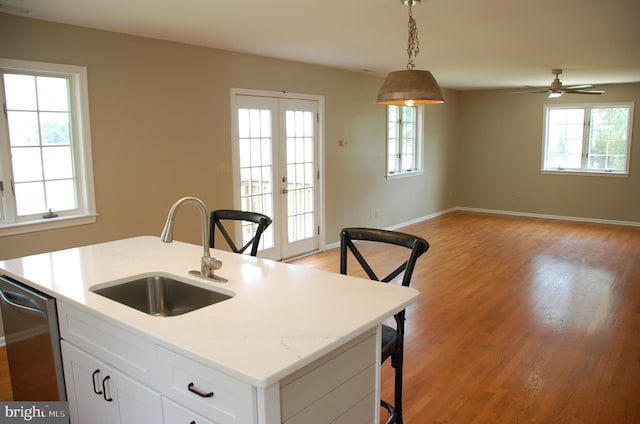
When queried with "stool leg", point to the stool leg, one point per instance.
{"points": [[399, 364]]}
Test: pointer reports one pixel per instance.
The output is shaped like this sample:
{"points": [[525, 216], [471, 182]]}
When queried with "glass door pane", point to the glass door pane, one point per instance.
{"points": [[300, 175], [256, 168]]}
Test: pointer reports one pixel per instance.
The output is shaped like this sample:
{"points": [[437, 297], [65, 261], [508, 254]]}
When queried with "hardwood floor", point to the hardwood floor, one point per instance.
{"points": [[5, 380], [520, 321]]}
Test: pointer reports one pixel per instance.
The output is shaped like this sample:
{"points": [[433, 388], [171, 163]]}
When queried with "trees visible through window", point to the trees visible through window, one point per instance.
{"points": [[588, 138], [44, 144], [404, 140]]}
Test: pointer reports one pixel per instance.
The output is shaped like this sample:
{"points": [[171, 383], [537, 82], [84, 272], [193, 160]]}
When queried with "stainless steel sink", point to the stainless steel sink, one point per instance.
{"points": [[161, 295]]}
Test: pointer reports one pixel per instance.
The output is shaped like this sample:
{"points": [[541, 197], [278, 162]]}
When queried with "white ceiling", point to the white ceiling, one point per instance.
{"points": [[466, 44]]}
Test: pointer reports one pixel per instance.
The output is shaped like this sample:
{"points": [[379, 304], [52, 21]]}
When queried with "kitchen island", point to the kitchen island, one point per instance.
{"points": [[291, 345]]}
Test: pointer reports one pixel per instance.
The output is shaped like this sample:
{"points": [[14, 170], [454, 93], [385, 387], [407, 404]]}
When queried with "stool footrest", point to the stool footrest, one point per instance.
{"points": [[391, 410]]}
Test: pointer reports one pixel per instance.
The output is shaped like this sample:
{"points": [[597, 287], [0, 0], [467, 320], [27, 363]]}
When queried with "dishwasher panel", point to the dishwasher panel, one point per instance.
{"points": [[33, 342]]}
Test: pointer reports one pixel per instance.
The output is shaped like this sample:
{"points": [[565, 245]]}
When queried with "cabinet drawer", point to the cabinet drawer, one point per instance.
{"points": [[178, 414], [210, 393], [126, 350]]}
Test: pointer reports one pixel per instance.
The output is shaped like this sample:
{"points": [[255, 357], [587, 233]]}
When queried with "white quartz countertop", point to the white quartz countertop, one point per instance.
{"points": [[281, 318]]}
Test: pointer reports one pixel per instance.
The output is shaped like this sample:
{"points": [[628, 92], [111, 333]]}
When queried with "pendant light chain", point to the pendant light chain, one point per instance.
{"points": [[413, 43]]}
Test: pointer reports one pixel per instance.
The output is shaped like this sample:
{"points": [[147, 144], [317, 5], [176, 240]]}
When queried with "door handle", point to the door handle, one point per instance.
{"points": [[5, 296]]}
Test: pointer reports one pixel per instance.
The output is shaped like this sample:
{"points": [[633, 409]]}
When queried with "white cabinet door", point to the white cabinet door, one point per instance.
{"points": [[84, 376], [136, 403], [100, 394]]}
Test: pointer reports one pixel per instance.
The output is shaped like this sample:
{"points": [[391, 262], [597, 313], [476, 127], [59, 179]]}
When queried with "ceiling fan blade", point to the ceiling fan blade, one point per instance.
{"points": [[583, 92], [579, 87], [530, 91]]}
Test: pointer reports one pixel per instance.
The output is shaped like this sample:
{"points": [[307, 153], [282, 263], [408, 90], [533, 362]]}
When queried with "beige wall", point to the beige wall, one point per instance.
{"points": [[160, 120], [500, 159]]}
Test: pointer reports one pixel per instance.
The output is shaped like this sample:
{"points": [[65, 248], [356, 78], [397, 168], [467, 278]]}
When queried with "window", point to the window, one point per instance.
{"points": [[46, 177], [404, 140], [588, 138]]}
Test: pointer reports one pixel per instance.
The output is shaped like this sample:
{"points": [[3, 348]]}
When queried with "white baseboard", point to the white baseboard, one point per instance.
{"points": [[546, 216], [501, 212], [422, 218], [2, 341]]}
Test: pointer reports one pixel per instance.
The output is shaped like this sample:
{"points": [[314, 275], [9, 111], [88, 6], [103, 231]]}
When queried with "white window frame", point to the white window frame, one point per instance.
{"points": [[584, 169], [396, 138], [10, 223]]}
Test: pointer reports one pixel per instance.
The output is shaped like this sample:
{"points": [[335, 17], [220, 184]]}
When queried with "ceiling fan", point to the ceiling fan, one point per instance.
{"points": [[556, 89]]}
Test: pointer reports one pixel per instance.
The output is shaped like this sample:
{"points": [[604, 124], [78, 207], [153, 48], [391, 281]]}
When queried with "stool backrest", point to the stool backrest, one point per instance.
{"points": [[416, 245], [257, 221]]}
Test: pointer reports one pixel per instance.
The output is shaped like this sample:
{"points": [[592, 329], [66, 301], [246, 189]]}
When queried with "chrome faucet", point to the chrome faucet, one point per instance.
{"points": [[207, 263]]}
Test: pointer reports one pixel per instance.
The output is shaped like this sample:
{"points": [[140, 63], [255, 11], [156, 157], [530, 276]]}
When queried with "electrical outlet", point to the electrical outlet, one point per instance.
{"points": [[376, 213]]}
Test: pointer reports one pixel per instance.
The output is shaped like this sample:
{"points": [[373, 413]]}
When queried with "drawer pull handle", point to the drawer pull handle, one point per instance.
{"points": [[96, 389], [104, 388], [199, 392]]}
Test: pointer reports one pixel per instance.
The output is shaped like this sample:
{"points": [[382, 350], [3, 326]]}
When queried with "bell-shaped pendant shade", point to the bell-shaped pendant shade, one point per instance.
{"points": [[408, 88]]}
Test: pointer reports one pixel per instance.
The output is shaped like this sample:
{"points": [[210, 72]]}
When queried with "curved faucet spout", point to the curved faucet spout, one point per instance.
{"points": [[207, 263]]}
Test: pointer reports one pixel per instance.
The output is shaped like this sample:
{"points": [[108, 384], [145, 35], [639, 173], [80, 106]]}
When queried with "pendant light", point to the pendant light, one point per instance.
{"points": [[410, 87]]}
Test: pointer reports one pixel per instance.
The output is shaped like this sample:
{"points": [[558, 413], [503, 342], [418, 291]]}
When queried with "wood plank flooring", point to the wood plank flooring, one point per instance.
{"points": [[520, 321], [5, 380]]}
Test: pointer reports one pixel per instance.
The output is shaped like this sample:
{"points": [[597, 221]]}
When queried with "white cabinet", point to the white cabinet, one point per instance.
{"points": [[115, 375], [100, 394], [130, 352], [143, 380], [218, 397]]}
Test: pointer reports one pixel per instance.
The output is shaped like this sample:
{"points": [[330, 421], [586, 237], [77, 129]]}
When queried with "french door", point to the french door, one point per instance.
{"points": [[275, 146]]}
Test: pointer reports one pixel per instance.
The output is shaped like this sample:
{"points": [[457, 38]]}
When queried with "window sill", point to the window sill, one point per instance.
{"points": [[49, 224], [403, 175], [585, 173]]}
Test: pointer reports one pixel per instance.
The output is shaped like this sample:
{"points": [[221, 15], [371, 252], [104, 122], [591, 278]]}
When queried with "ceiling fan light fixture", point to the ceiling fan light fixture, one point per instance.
{"points": [[557, 89], [410, 87]]}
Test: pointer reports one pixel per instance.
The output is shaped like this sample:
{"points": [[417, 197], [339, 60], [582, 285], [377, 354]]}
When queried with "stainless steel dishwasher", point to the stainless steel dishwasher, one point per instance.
{"points": [[31, 332]]}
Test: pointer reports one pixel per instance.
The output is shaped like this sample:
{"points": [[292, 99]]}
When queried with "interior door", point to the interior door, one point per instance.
{"points": [[276, 170]]}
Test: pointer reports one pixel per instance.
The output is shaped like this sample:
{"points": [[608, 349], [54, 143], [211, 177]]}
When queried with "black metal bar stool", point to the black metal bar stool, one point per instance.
{"points": [[392, 338]]}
